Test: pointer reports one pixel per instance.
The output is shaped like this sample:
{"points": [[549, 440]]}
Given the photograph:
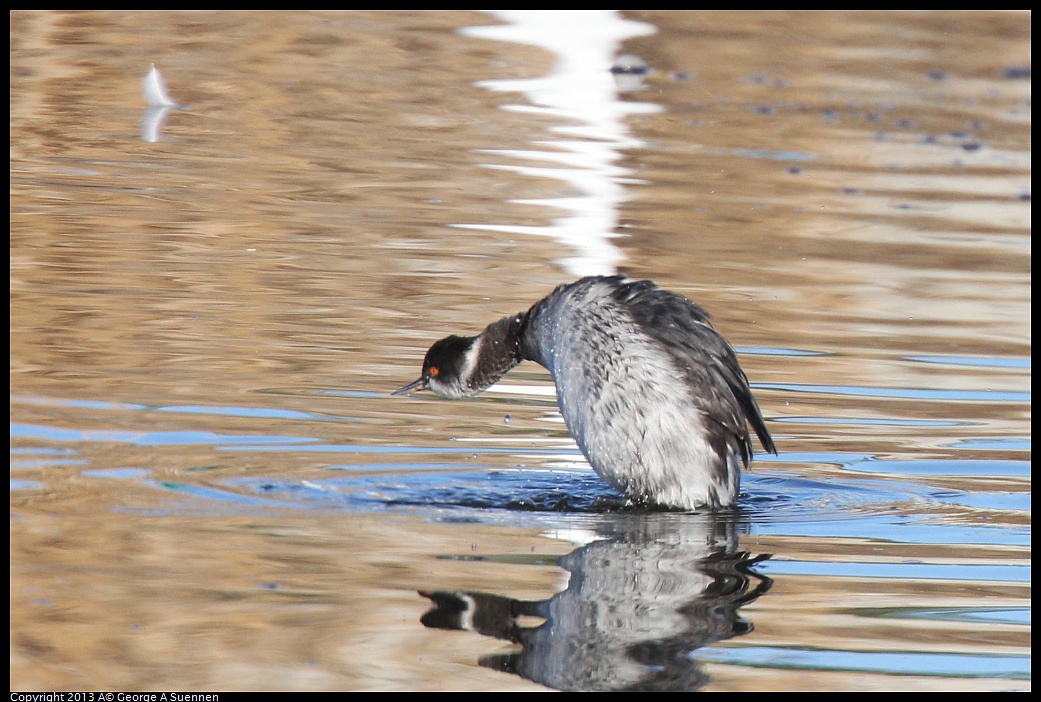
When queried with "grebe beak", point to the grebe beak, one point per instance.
{"points": [[419, 384]]}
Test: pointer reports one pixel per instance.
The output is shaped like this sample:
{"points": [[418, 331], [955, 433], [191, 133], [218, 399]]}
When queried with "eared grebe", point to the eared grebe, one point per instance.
{"points": [[652, 394]]}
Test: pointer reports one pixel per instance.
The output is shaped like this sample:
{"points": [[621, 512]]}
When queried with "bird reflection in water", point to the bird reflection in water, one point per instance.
{"points": [[639, 602]]}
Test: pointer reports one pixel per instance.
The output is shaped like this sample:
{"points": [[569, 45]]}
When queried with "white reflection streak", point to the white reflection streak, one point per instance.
{"points": [[581, 91]]}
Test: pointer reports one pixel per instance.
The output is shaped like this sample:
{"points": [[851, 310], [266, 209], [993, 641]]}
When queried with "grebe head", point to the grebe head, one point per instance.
{"points": [[448, 368]]}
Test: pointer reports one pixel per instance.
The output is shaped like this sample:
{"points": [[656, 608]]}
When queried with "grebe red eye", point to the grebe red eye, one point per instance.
{"points": [[434, 370]]}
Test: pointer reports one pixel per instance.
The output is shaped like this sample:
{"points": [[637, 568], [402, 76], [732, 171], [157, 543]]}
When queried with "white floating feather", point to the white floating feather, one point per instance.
{"points": [[154, 88]]}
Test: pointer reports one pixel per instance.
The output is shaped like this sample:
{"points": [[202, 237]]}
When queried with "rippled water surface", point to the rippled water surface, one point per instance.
{"points": [[211, 300]]}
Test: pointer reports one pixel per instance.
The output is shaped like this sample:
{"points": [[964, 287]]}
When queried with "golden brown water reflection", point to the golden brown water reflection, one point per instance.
{"points": [[206, 470]]}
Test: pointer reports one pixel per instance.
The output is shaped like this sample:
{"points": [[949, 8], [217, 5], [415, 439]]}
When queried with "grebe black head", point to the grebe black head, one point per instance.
{"points": [[652, 394], [447, 368]]}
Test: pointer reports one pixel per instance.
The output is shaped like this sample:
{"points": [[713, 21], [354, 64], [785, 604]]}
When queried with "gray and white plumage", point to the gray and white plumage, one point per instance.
{"points": [[651, 393]]}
